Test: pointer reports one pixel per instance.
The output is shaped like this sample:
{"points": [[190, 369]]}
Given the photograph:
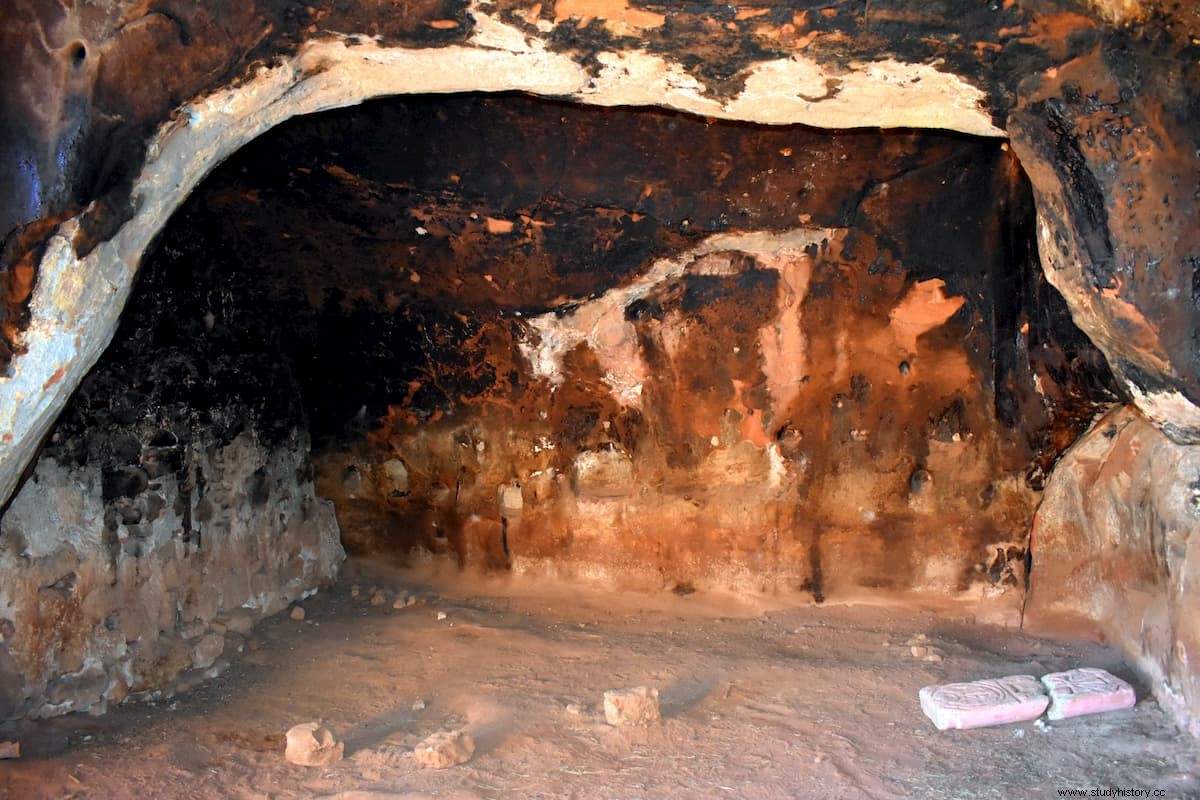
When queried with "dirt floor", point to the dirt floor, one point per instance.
{"points": [[759, 699]]}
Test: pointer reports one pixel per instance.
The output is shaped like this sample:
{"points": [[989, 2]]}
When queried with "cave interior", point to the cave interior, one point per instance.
{"points": [[505, 338]]}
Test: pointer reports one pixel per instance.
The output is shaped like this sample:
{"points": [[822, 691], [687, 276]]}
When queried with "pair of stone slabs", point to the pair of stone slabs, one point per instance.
{"points": [[1019, 698]]}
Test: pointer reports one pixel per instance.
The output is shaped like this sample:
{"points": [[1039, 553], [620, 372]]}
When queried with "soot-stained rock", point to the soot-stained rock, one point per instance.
{"points": [[148, 592]]}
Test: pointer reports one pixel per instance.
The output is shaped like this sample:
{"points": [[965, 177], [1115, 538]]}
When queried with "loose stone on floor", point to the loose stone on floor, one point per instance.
{"points": [[636, 706], [312, 745], [445, 749]]}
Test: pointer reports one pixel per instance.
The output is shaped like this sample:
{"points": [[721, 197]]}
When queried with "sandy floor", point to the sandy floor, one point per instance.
{"points": [[758, 702]]}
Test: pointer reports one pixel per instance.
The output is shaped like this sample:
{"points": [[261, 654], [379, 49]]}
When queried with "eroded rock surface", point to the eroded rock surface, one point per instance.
{"points": [[658, 348], [107, 598], [1116, 551], [1099, 103]]}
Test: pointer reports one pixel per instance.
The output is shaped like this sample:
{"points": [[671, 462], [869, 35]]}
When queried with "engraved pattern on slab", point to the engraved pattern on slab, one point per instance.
{"points": [[993, 701], [1086, 691], [1087, 680], [988, 692]]}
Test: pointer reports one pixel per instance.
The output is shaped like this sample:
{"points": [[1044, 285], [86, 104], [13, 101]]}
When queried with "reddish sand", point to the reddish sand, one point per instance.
{"points": [[759, 699]]}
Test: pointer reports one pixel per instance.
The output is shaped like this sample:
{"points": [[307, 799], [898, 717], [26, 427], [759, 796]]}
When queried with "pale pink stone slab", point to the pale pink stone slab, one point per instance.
{"points": [[977, 704], [1086, 691]]}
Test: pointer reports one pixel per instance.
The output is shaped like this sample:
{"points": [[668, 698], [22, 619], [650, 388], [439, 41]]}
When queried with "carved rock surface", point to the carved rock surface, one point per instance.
{"points": [[1074, 91], [1099, 99], [1087, 690], [978, 704], [755, 370]]}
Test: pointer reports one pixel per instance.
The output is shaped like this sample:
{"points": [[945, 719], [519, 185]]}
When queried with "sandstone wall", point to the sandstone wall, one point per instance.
{"points": [[1116, 552]]}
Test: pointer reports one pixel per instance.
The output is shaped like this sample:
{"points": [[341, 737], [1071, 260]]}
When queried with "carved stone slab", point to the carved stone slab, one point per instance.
{"points": [[1086, 691], [977, 704]]}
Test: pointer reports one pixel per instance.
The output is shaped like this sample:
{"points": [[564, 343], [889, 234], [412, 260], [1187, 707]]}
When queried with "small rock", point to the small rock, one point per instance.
{"points": [[297, 613], [631, 706], [445, 749], [378, 597], [414, 600], [80, 689], [574, 709], [918, 651], [418, 705], [400, 602], [10, 749], [355, 590], [441, 615], [933, 657], [208, 650], [312, 745]]}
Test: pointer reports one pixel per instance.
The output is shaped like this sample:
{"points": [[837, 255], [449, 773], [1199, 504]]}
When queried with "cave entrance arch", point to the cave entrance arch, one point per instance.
{"points": [[80, 293]]}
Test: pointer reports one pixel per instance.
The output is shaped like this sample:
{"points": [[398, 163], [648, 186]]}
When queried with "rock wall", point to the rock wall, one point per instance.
{"points": [[172, 507], [760, 414], [709, 353], [1116, 552], [106, 597]]}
